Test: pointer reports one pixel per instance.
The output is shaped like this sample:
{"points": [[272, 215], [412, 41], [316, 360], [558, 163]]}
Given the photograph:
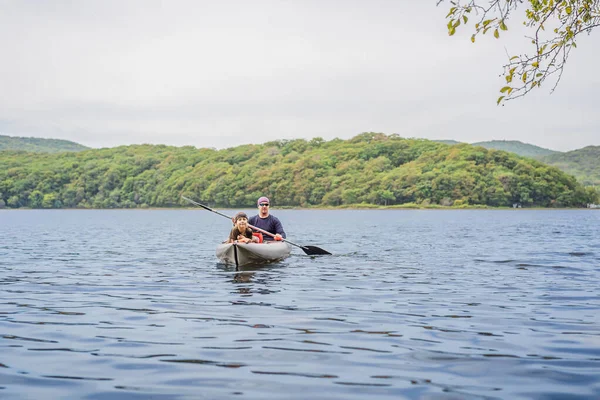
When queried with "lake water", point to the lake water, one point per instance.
{"points": [[412, 304]]}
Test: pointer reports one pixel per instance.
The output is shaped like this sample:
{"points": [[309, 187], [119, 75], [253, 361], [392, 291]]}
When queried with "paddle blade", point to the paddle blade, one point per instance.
{"points": [[315, 251]]}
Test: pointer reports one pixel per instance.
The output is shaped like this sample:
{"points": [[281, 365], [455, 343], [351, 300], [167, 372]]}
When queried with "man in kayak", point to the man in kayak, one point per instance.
{"points": [[266, 221], [241, 233]]}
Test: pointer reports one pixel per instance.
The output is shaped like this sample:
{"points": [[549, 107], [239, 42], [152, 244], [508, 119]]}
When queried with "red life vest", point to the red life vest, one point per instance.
{"points": [[259, 236]]}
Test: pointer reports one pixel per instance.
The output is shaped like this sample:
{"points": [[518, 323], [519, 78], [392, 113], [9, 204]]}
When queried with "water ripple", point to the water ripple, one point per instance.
{"points": [[451, 304]]}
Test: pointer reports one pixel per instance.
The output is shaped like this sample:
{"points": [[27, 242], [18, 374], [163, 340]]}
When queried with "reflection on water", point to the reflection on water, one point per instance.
{"points": [[247, 280], [452, 304]]}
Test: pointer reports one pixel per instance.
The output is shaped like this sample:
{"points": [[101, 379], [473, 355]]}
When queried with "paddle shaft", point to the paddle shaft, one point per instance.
{"points": [[251, 226], [226, 216]]}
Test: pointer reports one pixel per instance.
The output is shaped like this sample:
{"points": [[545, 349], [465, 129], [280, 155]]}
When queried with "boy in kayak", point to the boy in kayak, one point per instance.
{"points": [[267, 222], [241, 233]]}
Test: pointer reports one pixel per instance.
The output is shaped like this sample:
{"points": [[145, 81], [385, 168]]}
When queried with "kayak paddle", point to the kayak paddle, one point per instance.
{"points": [[309, 250]]}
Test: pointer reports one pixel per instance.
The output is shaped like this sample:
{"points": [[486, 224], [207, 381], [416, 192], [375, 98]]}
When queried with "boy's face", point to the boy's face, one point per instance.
{"points": [[241, 223]]}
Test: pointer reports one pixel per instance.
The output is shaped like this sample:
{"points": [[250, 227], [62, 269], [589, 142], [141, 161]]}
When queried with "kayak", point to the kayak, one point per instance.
{"points": [[241, 254]]}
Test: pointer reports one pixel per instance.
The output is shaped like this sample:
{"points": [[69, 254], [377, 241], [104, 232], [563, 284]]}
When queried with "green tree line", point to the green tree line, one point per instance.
{"points": [[369, 169]]}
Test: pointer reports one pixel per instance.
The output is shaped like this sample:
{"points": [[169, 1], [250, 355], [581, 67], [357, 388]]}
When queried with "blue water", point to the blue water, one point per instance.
{"points": [[412, 304]]}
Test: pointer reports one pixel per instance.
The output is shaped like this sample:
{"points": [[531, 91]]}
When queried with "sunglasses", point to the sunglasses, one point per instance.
{"points": [[264, 204]]}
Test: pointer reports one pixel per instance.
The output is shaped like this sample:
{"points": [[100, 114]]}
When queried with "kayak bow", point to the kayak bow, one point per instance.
{"points": [[242, 254]]}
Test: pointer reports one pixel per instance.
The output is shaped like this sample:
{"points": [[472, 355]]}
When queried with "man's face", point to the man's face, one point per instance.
{"points": [[263, 208]]}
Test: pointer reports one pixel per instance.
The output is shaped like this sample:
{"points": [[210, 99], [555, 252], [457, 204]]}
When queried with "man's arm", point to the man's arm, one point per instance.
{"points": [[278, 227]]}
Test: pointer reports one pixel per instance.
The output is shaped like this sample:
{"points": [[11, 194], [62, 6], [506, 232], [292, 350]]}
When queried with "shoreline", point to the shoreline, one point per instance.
{"points": [[353, 208]]}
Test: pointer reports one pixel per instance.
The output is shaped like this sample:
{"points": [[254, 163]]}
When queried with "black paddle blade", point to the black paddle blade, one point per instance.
{"points": [[315, 251]]}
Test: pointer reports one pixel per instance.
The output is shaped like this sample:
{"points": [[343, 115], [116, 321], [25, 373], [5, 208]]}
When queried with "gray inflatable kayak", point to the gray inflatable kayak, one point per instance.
{"points": [[241, 254]]}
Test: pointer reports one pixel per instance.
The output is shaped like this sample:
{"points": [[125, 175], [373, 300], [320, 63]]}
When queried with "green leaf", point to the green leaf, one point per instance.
{"points": [[465, 19], [499, 100], [504, 89], [524, 77], [496, 34], [473, 38], [503, 26]]}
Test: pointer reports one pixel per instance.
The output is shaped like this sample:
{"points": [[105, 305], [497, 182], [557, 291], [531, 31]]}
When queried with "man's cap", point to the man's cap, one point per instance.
{"points": [[263, 200]]}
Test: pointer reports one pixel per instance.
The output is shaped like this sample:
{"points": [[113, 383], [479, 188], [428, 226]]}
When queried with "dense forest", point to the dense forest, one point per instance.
{"points": [[369, 169], [584, 164], [38, 145], [448, 141]]}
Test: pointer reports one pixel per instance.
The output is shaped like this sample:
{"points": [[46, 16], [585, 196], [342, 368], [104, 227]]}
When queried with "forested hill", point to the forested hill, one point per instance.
{"points": [[371, 168], [37, 145], [517, 147], [584, 164]]}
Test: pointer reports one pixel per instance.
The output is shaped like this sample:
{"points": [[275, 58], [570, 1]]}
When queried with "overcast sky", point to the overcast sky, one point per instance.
{"points": [[222, 73]]}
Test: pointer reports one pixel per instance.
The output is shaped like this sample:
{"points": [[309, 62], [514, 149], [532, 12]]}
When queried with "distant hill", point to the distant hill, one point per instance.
{"points": [[370, 169], [517, 147], [584, 164], [37, 145]]}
